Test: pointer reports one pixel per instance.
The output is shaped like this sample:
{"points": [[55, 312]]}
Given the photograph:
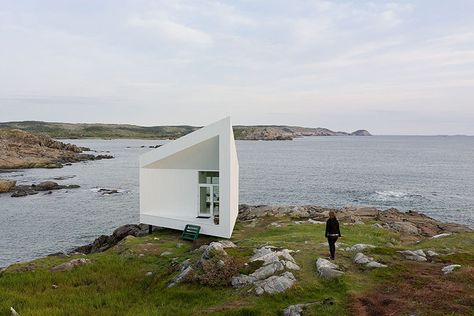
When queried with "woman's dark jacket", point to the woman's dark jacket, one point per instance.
{"points": [[332, 227]]}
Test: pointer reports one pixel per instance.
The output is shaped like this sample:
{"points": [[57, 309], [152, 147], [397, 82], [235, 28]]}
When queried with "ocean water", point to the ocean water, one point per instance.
{"points": [[433, 175]]}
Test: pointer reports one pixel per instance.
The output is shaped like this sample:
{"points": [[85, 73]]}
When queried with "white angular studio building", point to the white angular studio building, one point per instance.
{"points": [[192, 180]]}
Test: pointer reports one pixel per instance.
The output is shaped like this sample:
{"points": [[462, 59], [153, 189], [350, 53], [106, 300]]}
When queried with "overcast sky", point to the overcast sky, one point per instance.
{"points": [[404, 67]]}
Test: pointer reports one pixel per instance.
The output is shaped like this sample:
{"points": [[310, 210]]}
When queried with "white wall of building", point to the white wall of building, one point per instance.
{"points": [[169, 180]]}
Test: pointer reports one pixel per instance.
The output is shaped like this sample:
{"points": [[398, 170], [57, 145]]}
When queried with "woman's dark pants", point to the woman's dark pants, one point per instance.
{"points": [[332, 246]]}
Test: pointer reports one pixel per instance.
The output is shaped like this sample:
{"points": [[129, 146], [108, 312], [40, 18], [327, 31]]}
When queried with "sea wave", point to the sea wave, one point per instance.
{"points": [[386, 195]]}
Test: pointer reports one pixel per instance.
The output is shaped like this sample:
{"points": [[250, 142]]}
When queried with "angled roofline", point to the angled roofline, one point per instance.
{"points": [[219, 128]]}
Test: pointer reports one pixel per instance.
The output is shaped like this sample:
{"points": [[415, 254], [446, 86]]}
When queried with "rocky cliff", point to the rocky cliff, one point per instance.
{"points": [[20, 149]]}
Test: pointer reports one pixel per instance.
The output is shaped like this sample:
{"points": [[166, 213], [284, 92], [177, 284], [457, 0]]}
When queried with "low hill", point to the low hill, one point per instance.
{"points": [[84, 130]]}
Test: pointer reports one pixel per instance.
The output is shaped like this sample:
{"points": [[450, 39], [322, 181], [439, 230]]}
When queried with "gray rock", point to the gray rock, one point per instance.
{"points": [[183, 265], [68, 266], [360, 258], [214, 249], [291, 265], [330, 273], [275, 284], [450, 268], [359, 247], [149, 273], [441, 235], [220, 264], [413, 255], [375, 264], [267, 270], [261, 252], [241, 280], [166, 253], [13, 312], [227, 243], [327, 269], [298, 309], [180, 277], [293, 310], [419, 252], [432, 253]]}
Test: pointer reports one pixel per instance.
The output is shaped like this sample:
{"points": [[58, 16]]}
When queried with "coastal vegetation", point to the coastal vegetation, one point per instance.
{"points": [[82, 130], [133, 275]]}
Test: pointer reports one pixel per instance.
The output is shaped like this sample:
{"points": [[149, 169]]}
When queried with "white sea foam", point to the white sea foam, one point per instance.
{"points": [[393, 194]]}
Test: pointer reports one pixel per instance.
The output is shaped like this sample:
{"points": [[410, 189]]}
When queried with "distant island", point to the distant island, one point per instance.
{"points": [[97, 130]]}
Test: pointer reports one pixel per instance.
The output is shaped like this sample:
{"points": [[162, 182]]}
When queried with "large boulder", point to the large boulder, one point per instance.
{"points": [[327, 269], [6, 185], [275, 284]]}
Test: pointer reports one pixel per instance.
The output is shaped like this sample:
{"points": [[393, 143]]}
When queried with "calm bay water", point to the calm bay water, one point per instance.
{"points": [[433, 175]]}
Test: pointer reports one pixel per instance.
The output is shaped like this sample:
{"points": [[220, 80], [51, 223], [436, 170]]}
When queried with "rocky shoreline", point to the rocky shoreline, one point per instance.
{"points": [[21, 150], [410, 225]]}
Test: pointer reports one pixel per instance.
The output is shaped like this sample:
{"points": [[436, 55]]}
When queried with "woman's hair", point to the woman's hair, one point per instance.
{"points": [[332, 214]]}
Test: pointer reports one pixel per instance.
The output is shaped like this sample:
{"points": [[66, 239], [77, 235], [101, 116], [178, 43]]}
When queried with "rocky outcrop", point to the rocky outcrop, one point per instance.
{"points": [[20, 149], [406, 223], [105, 242], [6, 185], [267, 279], [25, 190], [275, 284]]}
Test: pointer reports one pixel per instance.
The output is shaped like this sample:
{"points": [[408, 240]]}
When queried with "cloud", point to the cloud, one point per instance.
{"points": [[171, 30]]}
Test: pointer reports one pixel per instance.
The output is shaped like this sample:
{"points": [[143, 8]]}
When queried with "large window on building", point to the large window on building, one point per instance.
{"points": [[208, 193]]}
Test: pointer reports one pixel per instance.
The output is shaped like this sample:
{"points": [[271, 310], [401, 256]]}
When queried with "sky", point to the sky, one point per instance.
{"points": [[401, 67]]}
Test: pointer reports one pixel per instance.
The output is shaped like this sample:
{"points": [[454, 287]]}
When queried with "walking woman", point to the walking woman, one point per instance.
{"points": [[332, 233]]}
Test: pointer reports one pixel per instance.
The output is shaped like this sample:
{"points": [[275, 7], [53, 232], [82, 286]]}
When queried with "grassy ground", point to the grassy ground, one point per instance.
{"points": [[115, 283]]}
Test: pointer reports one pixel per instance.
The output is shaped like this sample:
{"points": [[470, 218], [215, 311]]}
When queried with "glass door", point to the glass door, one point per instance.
{"points": [[205, 202], [208, 193]]}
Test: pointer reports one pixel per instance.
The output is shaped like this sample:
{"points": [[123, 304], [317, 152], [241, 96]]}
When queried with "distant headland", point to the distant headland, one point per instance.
{"points": [[98, 130]]}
